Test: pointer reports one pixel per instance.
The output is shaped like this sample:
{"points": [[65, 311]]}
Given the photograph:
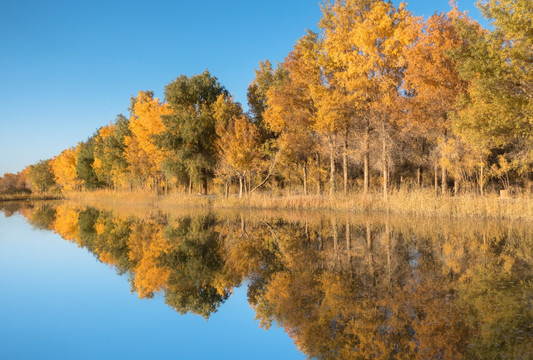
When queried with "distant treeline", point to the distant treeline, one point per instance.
{"points": [[378, 98]]}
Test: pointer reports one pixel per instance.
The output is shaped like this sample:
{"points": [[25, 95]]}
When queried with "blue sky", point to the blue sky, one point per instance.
{"points": [[68, 67]]}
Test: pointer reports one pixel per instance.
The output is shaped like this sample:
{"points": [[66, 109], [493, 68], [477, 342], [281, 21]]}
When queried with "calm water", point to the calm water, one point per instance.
{"points": [[80, 282]]}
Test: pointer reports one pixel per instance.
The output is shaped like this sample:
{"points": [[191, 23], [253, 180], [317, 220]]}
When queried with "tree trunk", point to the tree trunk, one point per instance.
{"points": [[436, 178], [444, 181], [304, 169], [331, 168], [190, 186], [481, 179], [455, 186], [335, 235], [240, 185], [366, 155], [419, 176], [205, 185], [319, 176], [384, 164], [345, 163], [226, 190]]}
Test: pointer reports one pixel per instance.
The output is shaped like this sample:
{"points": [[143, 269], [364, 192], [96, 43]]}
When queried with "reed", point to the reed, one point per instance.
{"points": [[30, 197], [420, 202]]}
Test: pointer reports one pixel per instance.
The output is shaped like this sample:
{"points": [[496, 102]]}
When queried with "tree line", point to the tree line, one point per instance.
{"points": [[376, 99]]}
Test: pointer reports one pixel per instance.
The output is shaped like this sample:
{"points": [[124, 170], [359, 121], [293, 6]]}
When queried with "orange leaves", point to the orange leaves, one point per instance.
{"points": [[432, 76]]}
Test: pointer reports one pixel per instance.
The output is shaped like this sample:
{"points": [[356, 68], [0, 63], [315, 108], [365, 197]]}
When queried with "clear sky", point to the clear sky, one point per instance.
{"points": [[68, 67]]}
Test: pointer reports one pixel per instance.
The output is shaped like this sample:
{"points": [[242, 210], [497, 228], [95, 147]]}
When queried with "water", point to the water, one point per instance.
{"points": [[81, 282]]}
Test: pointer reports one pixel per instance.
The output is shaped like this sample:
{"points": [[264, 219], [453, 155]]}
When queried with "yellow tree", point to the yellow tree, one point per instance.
{"points": [[291, 110], [225, 111], [344, 106], [143, 156], [238, 140], [364, 41], [64, 168], [433, 81]]}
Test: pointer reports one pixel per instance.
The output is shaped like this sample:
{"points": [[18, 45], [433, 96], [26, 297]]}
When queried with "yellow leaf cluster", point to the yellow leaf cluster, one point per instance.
{"points": [[143, 156], [64, 168]]}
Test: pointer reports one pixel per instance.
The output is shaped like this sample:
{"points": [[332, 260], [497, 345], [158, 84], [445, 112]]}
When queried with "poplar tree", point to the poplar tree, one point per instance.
{"points": [[433, 84], [292, 112], [189, 133]]}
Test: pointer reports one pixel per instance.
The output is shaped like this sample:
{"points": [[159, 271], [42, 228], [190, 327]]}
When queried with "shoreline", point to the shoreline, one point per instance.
{"points": [[31, 197]]}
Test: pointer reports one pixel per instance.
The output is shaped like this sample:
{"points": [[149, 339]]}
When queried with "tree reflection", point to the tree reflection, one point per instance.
{"points": [[353, 287]]}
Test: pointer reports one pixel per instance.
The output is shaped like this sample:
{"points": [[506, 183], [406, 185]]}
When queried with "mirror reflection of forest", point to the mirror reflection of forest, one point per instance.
{"points": [[343, 286]]}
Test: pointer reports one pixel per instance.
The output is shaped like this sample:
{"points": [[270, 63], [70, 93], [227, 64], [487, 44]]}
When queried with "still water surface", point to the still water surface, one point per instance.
{"points": [[85, 282]]}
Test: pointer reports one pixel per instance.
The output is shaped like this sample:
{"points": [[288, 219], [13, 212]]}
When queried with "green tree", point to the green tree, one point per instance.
{"points": [[497, 110], [109, 152], [41, 176], [190, 135], [266, 78], [84, 166]]}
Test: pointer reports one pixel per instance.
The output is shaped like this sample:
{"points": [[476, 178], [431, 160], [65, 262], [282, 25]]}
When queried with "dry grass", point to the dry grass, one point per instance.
{"points": [[419, 203], [30, 197]]}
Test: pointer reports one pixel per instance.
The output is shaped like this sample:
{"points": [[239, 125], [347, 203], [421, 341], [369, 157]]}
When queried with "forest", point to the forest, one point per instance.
{"points": [[377, 100]]}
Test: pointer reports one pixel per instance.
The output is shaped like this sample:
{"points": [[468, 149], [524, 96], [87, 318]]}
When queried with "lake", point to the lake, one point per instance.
{"points": [[84, 282]]}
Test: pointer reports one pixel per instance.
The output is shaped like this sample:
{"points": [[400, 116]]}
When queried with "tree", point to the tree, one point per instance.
{"points": [[12, 183], [110, 162], [64, 168], [41, 176], [84, 167], [365, 43], [238, 141], [497, 110], [189, 133], [433, 84], [292, 112], [266, 78], [143, 156]]}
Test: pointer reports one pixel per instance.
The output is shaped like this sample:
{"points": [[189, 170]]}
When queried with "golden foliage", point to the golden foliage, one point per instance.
{"points": [[143, 156], [64, 168]]}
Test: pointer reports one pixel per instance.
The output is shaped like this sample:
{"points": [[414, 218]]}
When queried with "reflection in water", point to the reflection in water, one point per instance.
{"points": [[343, 287]]}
